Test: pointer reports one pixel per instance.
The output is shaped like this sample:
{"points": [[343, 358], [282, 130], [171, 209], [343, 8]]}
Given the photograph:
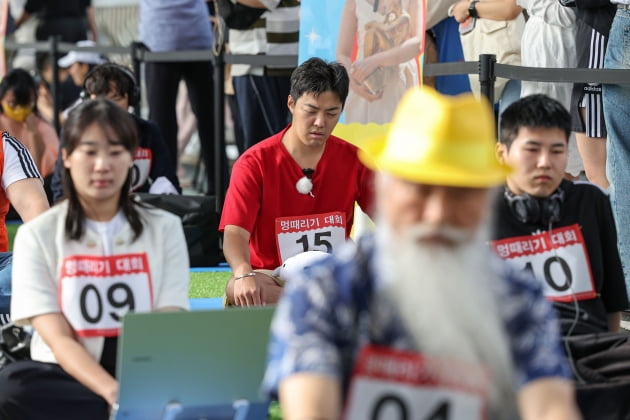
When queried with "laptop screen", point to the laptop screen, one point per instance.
{"points": [[199, 362]]}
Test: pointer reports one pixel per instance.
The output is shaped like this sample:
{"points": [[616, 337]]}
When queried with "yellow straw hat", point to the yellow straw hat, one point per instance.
{"points": [[439, 140]]}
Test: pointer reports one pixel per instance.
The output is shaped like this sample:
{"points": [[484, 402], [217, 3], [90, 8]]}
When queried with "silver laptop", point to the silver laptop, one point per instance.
{"points": [[193, 365]]}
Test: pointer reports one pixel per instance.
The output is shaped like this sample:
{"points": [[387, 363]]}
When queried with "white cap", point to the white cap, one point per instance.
{"points": [[88, 57]]}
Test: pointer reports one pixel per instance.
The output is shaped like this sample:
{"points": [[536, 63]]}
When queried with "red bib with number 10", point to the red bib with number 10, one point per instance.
{"points": [[96, 292], [559, 259]]}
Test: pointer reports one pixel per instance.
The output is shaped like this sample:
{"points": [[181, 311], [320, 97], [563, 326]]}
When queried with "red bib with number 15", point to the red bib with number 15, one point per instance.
{"points": [[314, 232]]}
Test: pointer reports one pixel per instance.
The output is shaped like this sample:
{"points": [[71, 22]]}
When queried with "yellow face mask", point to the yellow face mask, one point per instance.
{"points": [[17, 113]]}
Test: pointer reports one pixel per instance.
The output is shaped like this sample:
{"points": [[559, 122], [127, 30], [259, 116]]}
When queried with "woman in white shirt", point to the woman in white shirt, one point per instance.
{"points": [[79, 267]]}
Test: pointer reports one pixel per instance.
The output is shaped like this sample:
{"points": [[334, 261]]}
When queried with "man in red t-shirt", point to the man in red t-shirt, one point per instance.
{"points": [[296, 190]]}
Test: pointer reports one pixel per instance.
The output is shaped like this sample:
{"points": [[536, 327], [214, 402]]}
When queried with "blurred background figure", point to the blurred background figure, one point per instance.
{"points": [[68, 91], [79, 63], [69, 19], [23, 57], [492, 27], [593, 21], [261, 92], [117, 24], [151, 171], [449, 49], [20, 117], [616, 100], [389, 39], [189, 28], [548, 40]]}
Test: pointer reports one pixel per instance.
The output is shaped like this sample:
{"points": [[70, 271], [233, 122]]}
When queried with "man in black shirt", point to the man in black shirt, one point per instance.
{"points": [[70, 19], [152, 170], [562, 231]]}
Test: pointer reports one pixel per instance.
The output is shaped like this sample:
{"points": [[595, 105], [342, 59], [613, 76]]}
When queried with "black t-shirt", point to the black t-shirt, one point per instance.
{"points": [[587, 206], [108, 357], [69, 92], [149, 137], [53, 9]]}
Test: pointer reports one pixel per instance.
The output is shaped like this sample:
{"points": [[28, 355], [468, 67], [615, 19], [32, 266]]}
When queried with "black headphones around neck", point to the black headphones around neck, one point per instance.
{"points": [[133, 96], [529, 209]]}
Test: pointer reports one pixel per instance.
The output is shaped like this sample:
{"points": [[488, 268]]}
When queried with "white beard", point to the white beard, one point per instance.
{"points": [[445, 295]]}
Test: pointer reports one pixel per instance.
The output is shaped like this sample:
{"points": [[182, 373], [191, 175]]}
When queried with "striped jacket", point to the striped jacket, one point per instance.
{"points": [[275, 33]]}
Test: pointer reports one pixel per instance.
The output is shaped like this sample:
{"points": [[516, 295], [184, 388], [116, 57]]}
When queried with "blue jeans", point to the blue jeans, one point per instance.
{"points": [[616, 100], [511, 93], [6, 258], [262, 105]]}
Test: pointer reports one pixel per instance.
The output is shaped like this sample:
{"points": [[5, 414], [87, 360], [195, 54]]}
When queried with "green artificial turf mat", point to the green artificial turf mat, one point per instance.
{"points": [[207, 284], [11, 229]]}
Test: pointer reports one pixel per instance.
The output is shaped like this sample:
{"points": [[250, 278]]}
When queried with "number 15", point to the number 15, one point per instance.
{"points": [[318, 241]]}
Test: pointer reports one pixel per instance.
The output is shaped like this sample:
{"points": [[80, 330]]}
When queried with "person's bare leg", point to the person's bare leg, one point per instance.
{"points": [[593, 152], [186, 120]]}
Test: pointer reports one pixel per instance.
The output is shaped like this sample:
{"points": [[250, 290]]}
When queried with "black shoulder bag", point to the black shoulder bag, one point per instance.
{"points": [[15, 344], [200, 221]]}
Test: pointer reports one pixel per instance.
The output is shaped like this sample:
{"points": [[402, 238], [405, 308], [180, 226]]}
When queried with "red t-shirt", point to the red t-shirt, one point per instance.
{"points": [[262, 188]]}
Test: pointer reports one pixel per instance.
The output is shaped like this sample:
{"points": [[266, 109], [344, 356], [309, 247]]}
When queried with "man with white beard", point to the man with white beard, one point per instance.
{"points": [[419, 321]]}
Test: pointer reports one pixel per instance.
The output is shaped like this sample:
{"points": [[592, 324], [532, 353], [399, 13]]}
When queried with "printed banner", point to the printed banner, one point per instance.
{"points": [[381, 44]]}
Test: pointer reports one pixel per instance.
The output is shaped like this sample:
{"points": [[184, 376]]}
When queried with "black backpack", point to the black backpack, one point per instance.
{"points": [[15, 344]]}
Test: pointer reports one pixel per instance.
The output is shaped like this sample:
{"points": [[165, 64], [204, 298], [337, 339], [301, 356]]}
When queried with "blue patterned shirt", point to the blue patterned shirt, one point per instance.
{"points": [[322, 321]]}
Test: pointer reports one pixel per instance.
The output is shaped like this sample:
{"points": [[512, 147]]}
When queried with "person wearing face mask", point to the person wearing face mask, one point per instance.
{"points": [[20, 118]]}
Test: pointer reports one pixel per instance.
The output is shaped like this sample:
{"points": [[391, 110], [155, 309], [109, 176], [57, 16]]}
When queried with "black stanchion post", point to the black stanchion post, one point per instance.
{"points": [[54, 86], [487, 76], [136, 50], [219, 129]]}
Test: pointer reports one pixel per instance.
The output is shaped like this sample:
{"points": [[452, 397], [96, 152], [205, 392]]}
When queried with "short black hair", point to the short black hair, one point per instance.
{"points": [[533, 111], [23, 86], [316, 76], [100, 79]]}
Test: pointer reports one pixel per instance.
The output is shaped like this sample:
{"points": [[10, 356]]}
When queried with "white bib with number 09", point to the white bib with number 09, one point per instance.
{"points": [[96, 292], [393, 385], [558, 259], [315, 232]]}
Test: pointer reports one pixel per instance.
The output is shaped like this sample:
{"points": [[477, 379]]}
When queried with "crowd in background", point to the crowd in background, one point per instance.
{"points": [[282, 120]]}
